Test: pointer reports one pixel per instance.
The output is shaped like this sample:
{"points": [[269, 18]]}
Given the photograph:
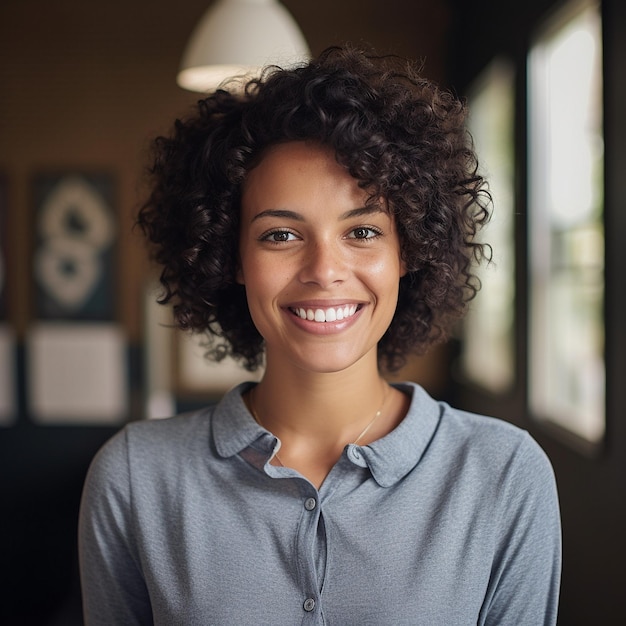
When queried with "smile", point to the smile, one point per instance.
{"points": [[331, 314]]}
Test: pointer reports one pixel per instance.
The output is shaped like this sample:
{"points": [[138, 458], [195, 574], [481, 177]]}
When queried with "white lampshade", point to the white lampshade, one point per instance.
{"points": [[238, 37]]}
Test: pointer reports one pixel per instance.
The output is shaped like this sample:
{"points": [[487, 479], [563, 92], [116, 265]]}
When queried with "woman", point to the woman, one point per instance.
{"points": [[322, 223]]}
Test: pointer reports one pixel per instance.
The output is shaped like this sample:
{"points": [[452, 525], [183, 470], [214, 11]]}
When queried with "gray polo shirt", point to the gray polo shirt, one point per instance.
{"points": [[450, 519]]}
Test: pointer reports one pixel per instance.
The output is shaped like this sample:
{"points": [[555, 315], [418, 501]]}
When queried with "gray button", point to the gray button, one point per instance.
{"points": [[309, 604], [310, 504]]}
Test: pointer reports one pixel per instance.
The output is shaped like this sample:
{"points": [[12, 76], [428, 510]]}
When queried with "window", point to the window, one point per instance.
{"points": [[566, 238], [488, 355]]}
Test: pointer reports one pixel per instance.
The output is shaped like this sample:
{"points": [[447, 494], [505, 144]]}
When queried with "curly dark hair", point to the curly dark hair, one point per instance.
{"points": [[400, 136]]}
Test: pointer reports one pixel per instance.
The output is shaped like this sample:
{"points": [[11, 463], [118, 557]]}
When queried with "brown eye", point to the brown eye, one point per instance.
{"points": [[364, 232], [278, 236], [281, 236]]}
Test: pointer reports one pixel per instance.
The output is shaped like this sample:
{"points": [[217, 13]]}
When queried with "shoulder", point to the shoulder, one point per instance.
{"points": [[160, 435], [499, 456], [150, 443], [491, 438], [480, 446], [498, 465]]}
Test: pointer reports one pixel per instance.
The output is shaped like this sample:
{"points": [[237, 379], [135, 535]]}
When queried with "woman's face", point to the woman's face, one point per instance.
{"points": [[321, 268]]}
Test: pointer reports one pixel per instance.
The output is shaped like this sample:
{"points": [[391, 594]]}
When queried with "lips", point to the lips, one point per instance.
{"points": [[326, 314]]}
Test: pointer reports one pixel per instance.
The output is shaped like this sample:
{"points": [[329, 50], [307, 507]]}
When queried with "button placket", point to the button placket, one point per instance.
{"points": [[311, 543]]}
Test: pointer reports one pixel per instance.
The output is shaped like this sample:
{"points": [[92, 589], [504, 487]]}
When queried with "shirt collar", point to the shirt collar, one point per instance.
{"points": [[234, 428], [389, 459]]}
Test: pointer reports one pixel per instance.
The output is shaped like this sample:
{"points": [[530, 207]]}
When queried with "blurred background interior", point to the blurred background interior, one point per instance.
{"points": [[83, 348]]}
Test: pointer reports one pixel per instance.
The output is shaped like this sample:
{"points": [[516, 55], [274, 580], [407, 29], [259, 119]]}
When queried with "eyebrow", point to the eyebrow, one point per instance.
{"points": [[293, 215]]}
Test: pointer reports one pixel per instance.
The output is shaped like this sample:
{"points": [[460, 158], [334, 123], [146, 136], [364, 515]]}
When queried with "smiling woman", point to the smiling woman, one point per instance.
{"points": [[319, 258], [323, 222]]}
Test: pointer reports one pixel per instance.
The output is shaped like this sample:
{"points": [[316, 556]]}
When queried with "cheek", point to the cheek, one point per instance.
{"points": [[263, 285], [386, 272]]}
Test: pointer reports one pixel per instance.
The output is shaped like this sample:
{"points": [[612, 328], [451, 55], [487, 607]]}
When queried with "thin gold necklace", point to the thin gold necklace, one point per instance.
{"points": [[362, 434]]}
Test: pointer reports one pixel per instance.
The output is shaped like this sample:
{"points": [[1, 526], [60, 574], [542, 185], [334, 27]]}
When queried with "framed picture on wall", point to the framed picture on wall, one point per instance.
{"points": [[74, 247], [75, 350], [77, 373]]}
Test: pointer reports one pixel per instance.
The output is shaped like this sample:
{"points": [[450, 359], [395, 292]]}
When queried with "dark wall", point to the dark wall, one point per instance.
{"points": [[41, 475]]}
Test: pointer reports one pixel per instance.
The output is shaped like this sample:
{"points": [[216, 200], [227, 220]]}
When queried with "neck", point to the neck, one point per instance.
{"points": [[319, 406]]}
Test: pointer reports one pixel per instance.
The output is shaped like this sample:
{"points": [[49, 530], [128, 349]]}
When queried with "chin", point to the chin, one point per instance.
{"points": [[329, 361]]}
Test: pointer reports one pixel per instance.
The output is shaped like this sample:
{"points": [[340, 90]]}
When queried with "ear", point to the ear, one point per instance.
{"points": [[403, 269], [239, 275]]}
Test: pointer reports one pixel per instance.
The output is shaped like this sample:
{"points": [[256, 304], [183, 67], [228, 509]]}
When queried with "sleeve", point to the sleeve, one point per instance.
{"points": [[525, 578], [113, 588]]}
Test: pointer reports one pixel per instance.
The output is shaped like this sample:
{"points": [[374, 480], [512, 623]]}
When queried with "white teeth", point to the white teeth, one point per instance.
{"points": [[326, 315]]}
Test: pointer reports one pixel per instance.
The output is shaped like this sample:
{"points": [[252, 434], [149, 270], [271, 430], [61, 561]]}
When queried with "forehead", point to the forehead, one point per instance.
{"points": [[301, 172]]}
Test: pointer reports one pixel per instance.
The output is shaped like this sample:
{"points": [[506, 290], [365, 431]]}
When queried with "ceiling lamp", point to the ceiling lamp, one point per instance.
{"points": [[238, 37]]}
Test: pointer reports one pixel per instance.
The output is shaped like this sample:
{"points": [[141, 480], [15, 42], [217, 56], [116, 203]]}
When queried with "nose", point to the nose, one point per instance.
{"points": [[323, 263]]}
